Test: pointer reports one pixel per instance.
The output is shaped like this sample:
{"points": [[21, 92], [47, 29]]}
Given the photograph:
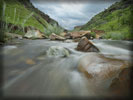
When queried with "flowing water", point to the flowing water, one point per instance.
{"points": [[28, 71], [115, 48]]}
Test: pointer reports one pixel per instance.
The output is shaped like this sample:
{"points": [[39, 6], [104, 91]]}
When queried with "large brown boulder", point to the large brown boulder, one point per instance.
{"points": [[97, 65], [86, 46], [36, 34], [100, 71], [74, 35], [53, 36]]}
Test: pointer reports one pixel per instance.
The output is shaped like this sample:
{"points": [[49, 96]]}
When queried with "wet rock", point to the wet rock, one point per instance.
{"points": [[34, 34], [97, 66], [53, 36], [121, 85], [57, 51], [86, 46]]}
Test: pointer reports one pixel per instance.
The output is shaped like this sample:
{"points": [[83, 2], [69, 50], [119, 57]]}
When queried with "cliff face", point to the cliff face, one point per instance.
{"points": [[21, 13], [116, 19]]}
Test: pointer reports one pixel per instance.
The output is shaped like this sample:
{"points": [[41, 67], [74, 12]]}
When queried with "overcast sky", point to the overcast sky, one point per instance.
{"points": [[72, 13]]}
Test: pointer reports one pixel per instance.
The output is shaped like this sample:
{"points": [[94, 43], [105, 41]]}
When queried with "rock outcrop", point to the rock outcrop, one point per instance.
{"points": [[57, 51], [53, 36], [86, 46], [34, 34]]}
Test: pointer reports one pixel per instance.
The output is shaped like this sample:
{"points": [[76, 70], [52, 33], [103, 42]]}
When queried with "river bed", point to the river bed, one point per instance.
{"points": [[28, 72]]}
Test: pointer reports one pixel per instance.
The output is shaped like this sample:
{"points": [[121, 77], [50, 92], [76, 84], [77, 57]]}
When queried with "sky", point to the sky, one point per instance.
{"points": [[72, 13]]}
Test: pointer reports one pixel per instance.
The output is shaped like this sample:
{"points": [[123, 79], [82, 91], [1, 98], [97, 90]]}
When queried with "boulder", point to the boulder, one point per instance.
{"points": [[121, 85], [57, 51], [102, 74], [74, 35], [95, 65], [53, 36], [36, 34], [86, 46]]}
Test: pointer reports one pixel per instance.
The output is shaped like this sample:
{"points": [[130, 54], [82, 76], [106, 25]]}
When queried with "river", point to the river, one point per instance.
{"points": [[28, 72]]}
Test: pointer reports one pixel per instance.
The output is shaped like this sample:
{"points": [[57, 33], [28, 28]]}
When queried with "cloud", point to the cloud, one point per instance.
{"points": [[72, 13]]}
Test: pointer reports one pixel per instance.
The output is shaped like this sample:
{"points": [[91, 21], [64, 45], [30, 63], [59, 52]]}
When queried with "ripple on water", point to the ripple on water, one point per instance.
{"points": [[6, 49]]}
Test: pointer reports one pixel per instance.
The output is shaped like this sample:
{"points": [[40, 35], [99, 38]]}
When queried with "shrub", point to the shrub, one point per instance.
{"points": [[7, 27], [117, 35], [93, 34], [53, 29]]}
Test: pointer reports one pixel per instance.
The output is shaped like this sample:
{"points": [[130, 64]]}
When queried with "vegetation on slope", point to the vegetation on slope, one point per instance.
{"points": [[116, 21], [30, 7], [22, 13], [53, 29]]}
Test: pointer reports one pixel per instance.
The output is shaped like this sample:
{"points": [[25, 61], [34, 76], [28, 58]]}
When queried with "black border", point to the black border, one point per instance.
{"points": [[65, 98]]}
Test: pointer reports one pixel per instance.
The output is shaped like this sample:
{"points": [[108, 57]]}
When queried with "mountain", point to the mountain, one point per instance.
{"points": [[116, 21], [16, 15]]}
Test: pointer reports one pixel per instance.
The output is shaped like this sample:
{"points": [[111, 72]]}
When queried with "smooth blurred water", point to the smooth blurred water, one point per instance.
{"points": [[53, 76], [115, 48]]}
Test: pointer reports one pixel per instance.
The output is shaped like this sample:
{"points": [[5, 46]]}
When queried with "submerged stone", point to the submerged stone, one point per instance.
{"points": [[57, 51]]}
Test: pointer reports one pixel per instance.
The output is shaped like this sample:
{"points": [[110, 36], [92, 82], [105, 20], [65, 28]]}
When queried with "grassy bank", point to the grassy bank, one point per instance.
{"points": [[21, 14], [116, 21]]}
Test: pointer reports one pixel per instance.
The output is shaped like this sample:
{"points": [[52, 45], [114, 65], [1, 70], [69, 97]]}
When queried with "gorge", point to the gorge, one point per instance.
{"points": [[40, 58]]}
